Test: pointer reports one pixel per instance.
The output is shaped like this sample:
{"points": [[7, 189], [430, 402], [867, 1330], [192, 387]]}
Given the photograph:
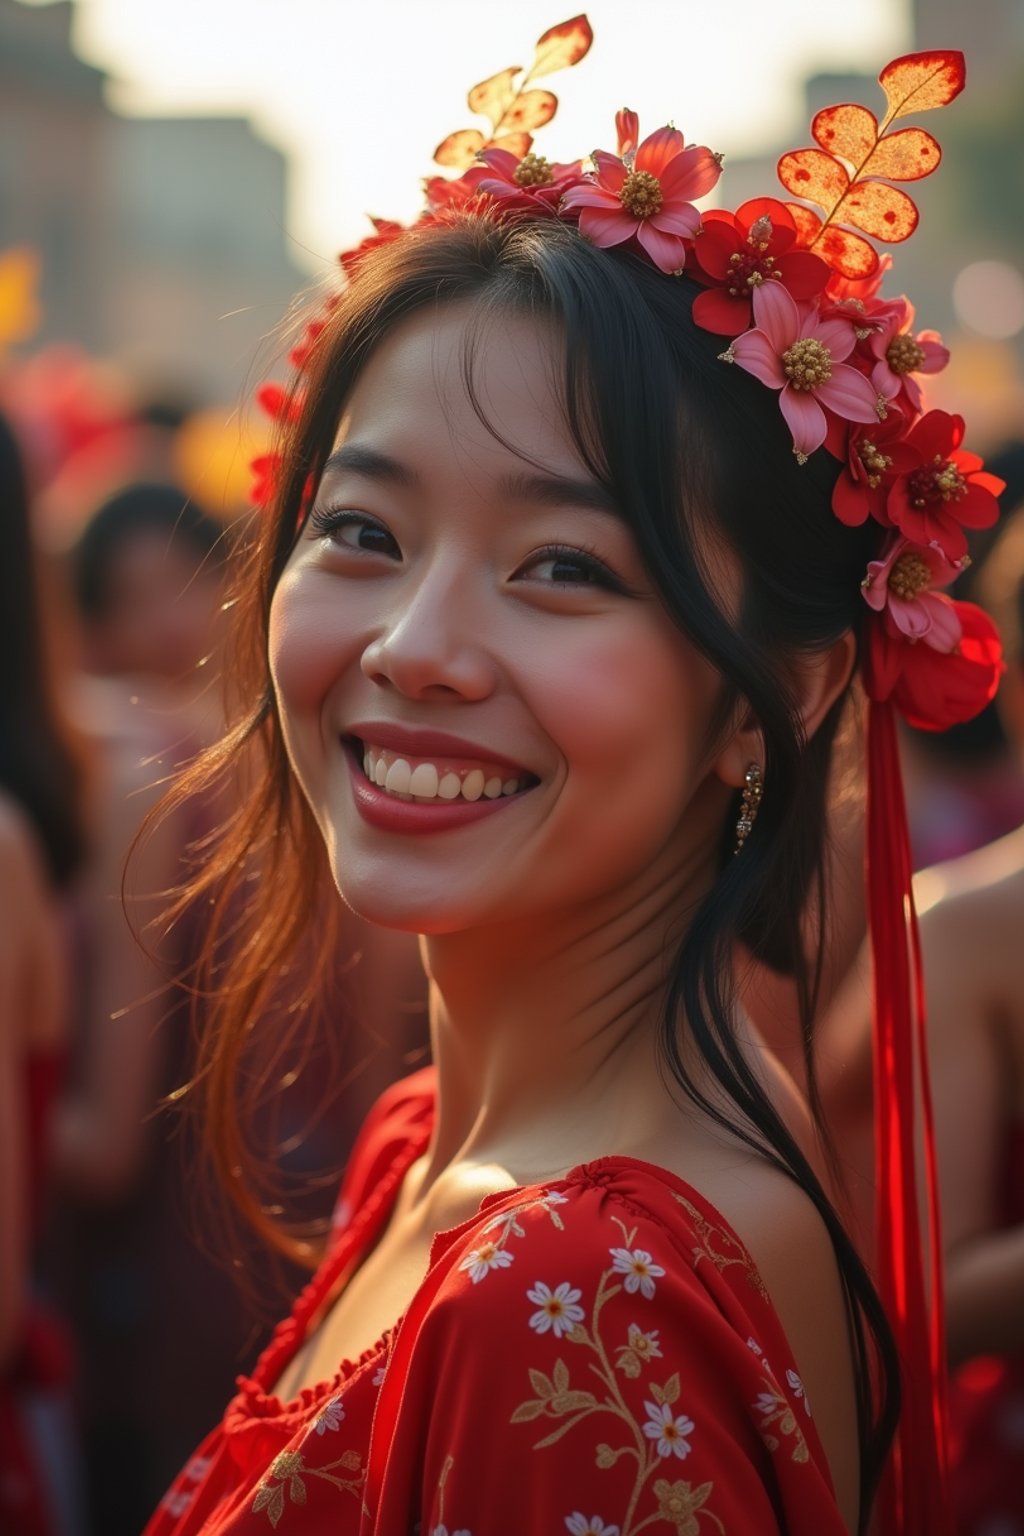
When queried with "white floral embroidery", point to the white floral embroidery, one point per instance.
{"points": [[557, 1309], [342, 1215], [669, 1429], [579, 1525], [753, 1344], [553, 1197], [480, 1261], [378, 1376], [330, 1416], [644, 1344], [197, 1468], [797, 1388], [639, 1269], [766, 1403], [442, 1530], [176, 1502]]}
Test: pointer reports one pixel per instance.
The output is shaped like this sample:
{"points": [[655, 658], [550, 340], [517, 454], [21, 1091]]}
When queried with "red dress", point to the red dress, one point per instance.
{"points": [[596, 1355]]}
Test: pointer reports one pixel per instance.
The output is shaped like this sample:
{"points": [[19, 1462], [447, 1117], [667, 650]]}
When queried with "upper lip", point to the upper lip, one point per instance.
{"points": [[430, 744]]}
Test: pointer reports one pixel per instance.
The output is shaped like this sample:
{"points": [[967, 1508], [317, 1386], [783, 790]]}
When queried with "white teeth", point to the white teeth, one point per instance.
{"points": [[473, 784], [399, 777], [424, 781], [449, 787], [426, 784]]}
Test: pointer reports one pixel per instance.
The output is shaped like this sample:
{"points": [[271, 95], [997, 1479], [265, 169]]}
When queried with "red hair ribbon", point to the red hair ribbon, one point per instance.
{"points": [[914, 1501]]}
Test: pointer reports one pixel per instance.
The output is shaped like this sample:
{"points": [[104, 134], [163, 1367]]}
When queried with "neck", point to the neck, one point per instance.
{"points": [[544, 1032]]}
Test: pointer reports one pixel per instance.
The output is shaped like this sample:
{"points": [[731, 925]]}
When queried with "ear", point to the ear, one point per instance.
{"points": [[820, 681]]}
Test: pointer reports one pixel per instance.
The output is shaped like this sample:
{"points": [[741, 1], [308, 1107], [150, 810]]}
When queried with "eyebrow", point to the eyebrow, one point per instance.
{"points": [[542, 489]]}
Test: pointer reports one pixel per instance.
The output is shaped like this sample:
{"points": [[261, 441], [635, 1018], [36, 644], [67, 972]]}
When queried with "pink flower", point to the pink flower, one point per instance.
{"points": [[794, 350], [531, 185], [646, 196], [900, 355], [901, 586]]}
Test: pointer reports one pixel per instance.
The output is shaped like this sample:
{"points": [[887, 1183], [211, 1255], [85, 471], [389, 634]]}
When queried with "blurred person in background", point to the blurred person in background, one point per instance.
{"points": [[965, 787], [972, 919], [135, 1220], [146, 576], [42, 845]]}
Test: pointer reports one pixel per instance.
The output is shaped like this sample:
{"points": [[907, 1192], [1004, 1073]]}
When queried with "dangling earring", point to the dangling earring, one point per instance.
{"points": [[752, 792]]}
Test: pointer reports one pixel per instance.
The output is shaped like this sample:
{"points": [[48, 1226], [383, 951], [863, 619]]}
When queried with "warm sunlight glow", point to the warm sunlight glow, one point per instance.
{"points": [[360, 94]]}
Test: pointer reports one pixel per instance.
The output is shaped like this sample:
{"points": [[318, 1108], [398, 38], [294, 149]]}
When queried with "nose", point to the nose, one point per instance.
{"points": [[432, 640]]}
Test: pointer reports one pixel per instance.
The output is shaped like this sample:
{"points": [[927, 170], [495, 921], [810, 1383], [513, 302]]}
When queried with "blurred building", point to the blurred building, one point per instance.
{"points": [[162, 241]]}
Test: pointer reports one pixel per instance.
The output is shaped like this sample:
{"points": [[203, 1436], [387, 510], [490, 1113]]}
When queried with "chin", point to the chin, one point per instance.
{"points": [[405, 911]]}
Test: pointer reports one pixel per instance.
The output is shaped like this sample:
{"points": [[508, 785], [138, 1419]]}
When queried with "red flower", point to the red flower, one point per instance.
{"points": [[384, 231], [900, 355], [794, 350], [299, 355], [931, 690], [279, 402], [530, 185], [266, 471], [647, 197], [738, 252], [946, 491], [875, 454]]}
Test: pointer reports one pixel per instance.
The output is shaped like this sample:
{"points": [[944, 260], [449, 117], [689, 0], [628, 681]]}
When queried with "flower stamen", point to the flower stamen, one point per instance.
{"points": [[749, 269], [939, 481], [909, 577], [807, 363], [875, 462], [533, 171], [640, 194], [904, 354]]}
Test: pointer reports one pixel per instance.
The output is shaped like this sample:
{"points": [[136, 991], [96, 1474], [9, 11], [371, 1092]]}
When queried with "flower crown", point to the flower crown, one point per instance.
{"points": [[796, 291]]}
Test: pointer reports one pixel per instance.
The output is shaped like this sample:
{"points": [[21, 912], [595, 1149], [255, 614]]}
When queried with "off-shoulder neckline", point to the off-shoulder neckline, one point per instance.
{"points": [[254, 1401]]}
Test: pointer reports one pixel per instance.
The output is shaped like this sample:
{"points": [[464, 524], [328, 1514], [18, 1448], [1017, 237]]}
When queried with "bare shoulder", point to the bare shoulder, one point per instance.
{"points": [[971, 936], [786, 1236]]}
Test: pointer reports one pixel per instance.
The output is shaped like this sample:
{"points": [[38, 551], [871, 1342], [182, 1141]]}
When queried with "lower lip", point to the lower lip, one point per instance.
{"points": [[389, 814]]}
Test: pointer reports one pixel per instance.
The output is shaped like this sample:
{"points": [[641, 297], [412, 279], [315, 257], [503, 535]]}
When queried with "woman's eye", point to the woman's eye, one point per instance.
{"points": [[571, 568], [353, 530]]}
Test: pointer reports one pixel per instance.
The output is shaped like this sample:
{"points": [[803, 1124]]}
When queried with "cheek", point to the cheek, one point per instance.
{"points": [[636, 702], [303, 651]]}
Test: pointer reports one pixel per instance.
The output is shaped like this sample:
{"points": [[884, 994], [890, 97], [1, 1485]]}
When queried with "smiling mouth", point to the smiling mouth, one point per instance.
{"points": [[435, 781]]}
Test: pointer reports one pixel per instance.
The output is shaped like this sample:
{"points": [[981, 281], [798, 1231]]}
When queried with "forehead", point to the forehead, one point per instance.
{"points": [[484, 388]]}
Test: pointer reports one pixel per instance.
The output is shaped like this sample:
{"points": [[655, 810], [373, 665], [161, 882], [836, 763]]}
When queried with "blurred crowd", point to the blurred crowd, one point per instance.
{"points": [[127, 1307]]}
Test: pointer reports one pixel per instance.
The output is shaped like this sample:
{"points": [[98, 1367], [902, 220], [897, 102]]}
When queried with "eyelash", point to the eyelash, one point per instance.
{"points": [[327, 520]]}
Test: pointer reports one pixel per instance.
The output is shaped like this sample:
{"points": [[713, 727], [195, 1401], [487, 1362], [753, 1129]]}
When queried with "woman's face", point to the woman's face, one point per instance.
{"points": [[469, 622]]}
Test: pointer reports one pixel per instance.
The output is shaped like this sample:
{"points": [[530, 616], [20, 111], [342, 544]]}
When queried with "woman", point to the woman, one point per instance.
{"points": [[42, 843], [548, 670]]}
